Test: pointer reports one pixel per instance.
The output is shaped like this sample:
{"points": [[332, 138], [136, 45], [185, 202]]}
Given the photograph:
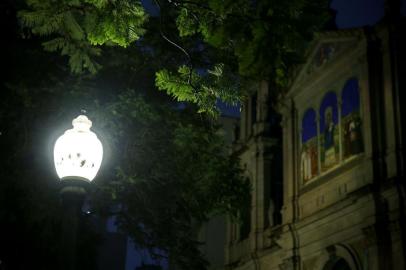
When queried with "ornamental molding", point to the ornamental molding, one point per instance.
{"points": [[324, 50]]}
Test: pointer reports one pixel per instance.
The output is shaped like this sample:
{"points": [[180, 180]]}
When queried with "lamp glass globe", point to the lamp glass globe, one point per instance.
{"points": [[78, 153]]}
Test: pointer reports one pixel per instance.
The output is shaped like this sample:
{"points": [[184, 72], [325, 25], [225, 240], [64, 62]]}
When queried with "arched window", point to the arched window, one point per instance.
{"points": [[351, 119], [309, 157], [329, 133]]}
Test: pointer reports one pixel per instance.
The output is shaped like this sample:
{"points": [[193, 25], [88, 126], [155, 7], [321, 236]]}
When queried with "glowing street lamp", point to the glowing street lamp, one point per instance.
{"points": [[78, 154]]}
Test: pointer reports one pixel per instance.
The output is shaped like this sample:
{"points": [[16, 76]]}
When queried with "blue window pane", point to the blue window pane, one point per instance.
{"points": [[350, 97], [309, 127], [328, 108]]}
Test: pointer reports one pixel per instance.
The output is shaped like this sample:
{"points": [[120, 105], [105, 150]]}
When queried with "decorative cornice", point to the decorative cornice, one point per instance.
{"points": [[338, 41]]}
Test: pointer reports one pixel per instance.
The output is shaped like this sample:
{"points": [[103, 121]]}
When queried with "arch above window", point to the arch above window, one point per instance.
{"points": [[338, 257]]}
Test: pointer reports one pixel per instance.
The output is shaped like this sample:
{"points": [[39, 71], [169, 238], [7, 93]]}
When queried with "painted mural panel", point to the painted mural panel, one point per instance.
{"points": [[336, 137], [309, 158], [329, 134], [351, 119]]}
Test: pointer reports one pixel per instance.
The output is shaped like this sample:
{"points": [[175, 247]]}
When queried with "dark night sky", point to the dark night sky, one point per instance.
{"points": [[356, 13]]}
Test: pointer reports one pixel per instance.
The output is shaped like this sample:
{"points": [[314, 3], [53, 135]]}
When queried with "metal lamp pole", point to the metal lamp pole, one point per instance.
{"points": [[78, 154]]}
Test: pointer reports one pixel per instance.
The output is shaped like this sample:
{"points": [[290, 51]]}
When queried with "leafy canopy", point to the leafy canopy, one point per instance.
{"points": [[251, 40], [78, 27]]}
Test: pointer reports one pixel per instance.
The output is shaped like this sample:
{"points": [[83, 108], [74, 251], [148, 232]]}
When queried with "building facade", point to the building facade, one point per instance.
{"points": [[328, 186]]}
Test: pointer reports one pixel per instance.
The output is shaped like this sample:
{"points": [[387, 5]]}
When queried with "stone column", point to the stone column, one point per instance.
{"points": [[243, 125], [253, 156], [340, 139], [248, 117], [288, 158], [260, 195], [263, 107], [318, 142]]}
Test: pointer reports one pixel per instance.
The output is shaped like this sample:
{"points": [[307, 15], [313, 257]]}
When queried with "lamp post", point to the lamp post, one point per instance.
{"points": [[78, 155]]}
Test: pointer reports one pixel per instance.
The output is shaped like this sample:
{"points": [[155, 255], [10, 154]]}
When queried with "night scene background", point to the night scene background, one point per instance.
{"points": [[165, 96]]}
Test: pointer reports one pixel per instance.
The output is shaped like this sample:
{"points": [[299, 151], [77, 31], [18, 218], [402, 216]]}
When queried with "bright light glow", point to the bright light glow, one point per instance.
{"points": [[78, 152]]}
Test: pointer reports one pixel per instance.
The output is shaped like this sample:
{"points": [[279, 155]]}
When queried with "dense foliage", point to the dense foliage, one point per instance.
{"points": [[173, 175], [251, 40], [164, 164], [77, 27]]}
